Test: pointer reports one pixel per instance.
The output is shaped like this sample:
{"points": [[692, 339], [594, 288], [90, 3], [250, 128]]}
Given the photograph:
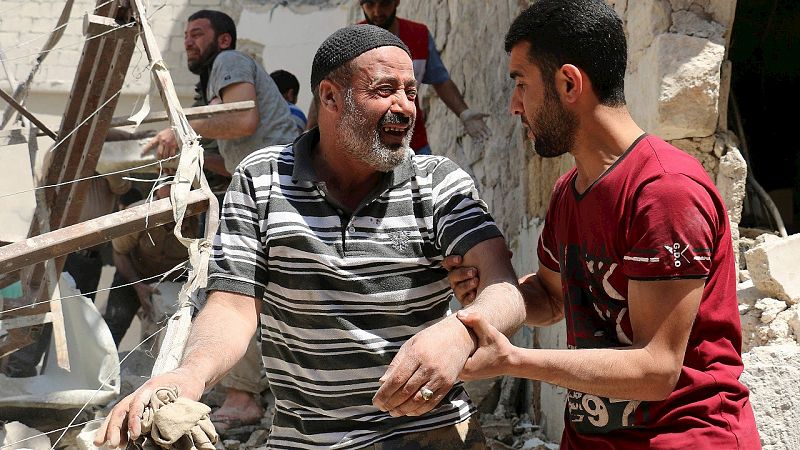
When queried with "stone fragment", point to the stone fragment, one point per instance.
{"points": [[690, 24], [771, 373], [774, 266], [770, 308], [231, 444], [731, 181], [674, 89], [85, 439], [646, 19]]}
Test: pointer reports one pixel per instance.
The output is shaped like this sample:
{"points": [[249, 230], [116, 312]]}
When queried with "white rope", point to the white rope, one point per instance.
{"points": [[64, 183], [75, 44], [161, 277]]}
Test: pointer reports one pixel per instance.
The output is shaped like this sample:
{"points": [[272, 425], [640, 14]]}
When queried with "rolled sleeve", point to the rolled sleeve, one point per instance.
{"points": [[461, 218]]}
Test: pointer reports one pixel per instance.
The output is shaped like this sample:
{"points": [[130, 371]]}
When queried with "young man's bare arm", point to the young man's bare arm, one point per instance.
{"points": [[434, 357], [661, 313]]}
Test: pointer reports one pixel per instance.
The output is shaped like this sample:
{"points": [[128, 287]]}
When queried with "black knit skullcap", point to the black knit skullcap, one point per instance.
{"points": [[348, 43]]}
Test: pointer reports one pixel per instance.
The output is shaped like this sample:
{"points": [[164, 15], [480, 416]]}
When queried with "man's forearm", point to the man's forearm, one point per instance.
{"points": [[542, 307], [227, 126], [502, 305], [448, 92], [629, 373], [124, 265], [219, 335]]}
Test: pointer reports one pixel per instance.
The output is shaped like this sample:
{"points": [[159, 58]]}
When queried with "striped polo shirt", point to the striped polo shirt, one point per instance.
{"points": [[343, 290]]}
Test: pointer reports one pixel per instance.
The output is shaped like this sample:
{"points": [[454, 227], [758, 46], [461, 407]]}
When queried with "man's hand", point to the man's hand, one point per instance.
{"points": [[145, 293], [124, 422], [474, 124], [494, 354], [163, 144], [463, 280], [432, 359]]}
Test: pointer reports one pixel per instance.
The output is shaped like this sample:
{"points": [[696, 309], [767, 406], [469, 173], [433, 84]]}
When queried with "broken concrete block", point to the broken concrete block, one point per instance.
{"points": [[770, 308], [18, 436], [646, 19], [673, 90], [774, 266], [691, 24], [731, 181], [771, 373]]}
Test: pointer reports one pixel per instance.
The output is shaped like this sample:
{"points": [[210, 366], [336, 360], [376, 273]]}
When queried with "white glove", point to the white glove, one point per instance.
{"points": [[474, 124]]}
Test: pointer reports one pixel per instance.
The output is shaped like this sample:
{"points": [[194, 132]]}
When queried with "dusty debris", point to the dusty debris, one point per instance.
{"points": [[774, 266], [16, 435]]}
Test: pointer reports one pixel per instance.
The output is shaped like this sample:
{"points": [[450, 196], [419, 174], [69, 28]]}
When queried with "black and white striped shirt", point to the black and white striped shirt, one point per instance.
{"points": [[342, 291]]}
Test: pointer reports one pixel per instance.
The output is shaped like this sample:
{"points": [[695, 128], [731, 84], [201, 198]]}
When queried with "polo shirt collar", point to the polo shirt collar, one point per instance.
{"points": [[304, 145]]}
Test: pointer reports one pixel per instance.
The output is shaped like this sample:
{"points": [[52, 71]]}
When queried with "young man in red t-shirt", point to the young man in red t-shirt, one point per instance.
{"points": [[636, 254]]}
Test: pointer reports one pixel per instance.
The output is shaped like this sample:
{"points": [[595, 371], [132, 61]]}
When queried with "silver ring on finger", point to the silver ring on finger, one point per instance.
{"points": [[426, 393]]}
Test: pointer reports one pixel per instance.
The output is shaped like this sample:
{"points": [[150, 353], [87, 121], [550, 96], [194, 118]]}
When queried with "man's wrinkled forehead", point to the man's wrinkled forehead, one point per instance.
{"points": [[383, 3], [385, 61]]}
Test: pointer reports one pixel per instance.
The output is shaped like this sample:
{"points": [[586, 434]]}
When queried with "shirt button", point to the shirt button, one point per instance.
{"points": [[351, 229]]}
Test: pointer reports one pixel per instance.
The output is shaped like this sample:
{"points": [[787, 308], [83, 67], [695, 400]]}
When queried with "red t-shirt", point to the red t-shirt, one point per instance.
{"points": [[654, 215]]}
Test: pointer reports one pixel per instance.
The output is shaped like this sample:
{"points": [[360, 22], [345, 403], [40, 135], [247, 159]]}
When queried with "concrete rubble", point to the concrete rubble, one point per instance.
{"points": [[774, 266], [770, 313]]}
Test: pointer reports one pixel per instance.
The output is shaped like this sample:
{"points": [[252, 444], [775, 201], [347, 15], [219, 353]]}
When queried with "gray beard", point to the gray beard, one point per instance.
{"points": [[363, 142]]}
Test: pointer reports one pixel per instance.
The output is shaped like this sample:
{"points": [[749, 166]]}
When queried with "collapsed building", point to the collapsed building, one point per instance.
{"points": [[702, 74]]}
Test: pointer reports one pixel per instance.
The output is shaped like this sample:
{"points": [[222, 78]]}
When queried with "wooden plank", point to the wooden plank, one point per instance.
{"points": [[26, 321], [99, 77], [27, 114], [197, 112], [93, 232], [178, 329]]}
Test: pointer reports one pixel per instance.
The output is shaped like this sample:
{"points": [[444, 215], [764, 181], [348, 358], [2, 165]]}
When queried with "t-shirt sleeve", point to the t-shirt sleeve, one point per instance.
{"points": [[435, 71], [460, 218], [672, 231], [230, 67], [238, 261]]}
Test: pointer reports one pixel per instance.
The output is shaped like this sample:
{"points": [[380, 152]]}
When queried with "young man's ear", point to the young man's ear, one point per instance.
{"points": [[570, 83], [224, 41]]}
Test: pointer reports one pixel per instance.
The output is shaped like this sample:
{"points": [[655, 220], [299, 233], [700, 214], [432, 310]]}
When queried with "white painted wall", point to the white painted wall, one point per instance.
{"points": [[291, 39]]}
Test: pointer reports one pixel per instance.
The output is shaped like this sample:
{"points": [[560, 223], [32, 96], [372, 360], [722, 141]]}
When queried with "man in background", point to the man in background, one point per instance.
{"points": [[227, 76]]}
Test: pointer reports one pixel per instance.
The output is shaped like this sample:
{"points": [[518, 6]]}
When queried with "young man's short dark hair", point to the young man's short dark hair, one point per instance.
{"points": [[585, 33], [220, 22], [285, 81]]}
